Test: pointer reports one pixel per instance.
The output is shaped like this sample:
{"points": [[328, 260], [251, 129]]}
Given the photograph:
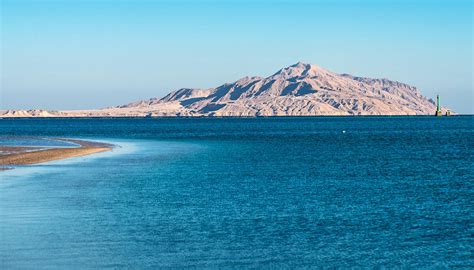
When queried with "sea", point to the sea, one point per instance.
{"points": [[239, 193]]}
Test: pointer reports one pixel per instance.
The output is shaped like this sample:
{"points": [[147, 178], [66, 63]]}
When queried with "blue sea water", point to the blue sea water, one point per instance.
{"points": [[244, 193]]}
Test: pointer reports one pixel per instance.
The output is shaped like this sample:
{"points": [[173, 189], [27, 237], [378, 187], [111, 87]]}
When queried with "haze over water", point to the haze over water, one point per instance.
{"points": [[260, 192]]}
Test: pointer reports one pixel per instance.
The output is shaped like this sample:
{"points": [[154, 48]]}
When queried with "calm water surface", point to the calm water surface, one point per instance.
{"points": [[238, 193]]}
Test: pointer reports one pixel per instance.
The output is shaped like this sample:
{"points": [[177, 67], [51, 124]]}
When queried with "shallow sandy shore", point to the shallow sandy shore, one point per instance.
{"points": [[10, 156]]}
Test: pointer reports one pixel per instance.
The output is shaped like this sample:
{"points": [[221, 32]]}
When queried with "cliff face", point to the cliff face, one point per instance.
{"points": [[300, 89]]}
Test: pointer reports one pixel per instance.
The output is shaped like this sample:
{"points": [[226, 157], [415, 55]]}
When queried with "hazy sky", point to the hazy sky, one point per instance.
{"points": [[75, 54]]}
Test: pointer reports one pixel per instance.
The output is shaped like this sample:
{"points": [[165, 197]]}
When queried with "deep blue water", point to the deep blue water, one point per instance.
{"points": [[238, 193]]}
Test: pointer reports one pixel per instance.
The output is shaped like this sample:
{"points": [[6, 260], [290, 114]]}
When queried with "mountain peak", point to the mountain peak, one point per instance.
{"points": [[301, 64], [300, 69]]}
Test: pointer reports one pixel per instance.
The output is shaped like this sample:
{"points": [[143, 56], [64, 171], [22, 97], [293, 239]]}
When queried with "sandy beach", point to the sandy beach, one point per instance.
{"points": [[10, 156]]}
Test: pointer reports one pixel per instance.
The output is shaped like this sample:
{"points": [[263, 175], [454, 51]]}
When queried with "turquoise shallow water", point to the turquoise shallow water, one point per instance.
{"points": [[238, 193], [34, 141]]}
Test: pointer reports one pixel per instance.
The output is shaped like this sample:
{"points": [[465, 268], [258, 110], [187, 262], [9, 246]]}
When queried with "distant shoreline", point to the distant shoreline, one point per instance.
{"points": [[230, 117], [301, 89], [18, 155]]}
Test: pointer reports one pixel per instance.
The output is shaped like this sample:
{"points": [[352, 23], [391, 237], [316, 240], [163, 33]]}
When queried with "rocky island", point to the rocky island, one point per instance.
{"points": [[298, 90]]}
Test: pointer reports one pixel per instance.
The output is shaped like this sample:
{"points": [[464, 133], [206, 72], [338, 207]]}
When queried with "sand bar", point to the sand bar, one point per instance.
{"points": [[10, 156]]}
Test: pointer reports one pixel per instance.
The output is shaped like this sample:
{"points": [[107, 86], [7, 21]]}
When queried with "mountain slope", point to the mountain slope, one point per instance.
{"points": [[300, 89]]}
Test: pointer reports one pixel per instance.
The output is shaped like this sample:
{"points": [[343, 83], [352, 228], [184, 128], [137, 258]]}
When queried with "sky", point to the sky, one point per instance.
{"points": [[83, 54]]}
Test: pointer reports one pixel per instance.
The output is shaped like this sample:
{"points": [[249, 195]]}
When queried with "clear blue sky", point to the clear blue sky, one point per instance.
{"points": [[80, 54]]}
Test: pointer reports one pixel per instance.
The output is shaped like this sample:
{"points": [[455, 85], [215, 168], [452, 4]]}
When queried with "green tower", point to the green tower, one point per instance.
{"points": [[438, 106]]}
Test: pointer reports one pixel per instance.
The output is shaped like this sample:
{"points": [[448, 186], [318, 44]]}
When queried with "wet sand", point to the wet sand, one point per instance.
{"points": [[10, 156]]}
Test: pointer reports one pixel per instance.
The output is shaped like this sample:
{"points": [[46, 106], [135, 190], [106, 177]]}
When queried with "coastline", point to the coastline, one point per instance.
{"points": [[453, 114], [34, 155]]}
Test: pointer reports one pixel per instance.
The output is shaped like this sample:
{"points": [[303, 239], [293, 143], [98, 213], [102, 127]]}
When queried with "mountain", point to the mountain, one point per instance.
{"points": [[28, 113], [297, 90]]}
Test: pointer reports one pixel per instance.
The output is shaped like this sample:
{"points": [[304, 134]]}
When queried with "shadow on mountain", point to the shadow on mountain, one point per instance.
{"points": [[305, 91], [238, 91], [298, 89], [220, 92], [211, 107], [190, 101], [264, 88]]}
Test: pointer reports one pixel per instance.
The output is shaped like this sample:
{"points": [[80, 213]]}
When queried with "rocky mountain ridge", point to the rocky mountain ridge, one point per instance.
{"points": [[298, 90]]}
